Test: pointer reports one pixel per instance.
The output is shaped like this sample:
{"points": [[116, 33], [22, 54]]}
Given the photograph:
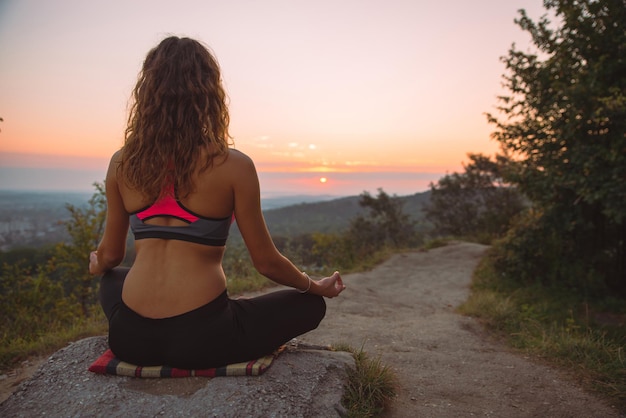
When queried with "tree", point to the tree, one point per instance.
{"points": [[564, 122], [385, 225], [474, 204], [71, 259]]}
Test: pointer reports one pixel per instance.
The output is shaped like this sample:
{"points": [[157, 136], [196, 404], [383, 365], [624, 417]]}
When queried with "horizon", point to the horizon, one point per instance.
{"points": [[273, 185], [308, 197]]}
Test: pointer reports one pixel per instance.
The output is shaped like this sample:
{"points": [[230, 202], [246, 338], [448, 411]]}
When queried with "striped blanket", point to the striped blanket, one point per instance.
{"points": [[107, 363]]}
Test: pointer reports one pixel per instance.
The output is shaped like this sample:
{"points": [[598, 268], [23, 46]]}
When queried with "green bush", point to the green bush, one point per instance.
{"points": [[540, 249], [31, 306], [477, 205]]}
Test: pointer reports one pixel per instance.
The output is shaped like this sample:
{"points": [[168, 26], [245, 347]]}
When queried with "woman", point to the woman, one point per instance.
{"points": [[178, 185]]}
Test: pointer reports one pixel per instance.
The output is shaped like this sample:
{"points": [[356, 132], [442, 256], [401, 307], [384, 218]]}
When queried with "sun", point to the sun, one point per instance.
{"points": [[323, 180]]}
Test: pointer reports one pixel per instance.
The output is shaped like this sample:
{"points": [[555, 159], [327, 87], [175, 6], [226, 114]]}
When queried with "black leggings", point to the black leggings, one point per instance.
{"points": [[224, 331]]}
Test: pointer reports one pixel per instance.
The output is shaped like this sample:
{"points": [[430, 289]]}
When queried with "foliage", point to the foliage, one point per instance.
{"points": [[300, 249], [533, 251], [240, 273], [560, 325], [334, 251], [31, 305], [27, 256], [476, 203], [70, 263], [564, 124], [57, 295], [386, 225], [370, 387]]}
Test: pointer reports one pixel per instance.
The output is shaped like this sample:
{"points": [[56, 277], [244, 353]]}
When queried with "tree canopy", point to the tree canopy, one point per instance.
{"points": [[475, 204], [563, 123]]}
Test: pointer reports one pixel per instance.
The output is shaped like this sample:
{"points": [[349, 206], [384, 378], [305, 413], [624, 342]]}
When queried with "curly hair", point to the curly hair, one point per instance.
{"points": [[178, 107]]}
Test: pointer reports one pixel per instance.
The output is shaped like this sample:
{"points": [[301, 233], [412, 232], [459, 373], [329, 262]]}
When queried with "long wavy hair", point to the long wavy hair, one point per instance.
{"points": [[178, 108]]}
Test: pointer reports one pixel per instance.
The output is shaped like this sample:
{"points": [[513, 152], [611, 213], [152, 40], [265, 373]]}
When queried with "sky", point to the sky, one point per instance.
{"points": [[329, 97]]}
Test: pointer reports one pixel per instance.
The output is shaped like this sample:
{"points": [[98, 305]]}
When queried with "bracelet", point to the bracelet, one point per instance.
{"points": [[309, 286]]}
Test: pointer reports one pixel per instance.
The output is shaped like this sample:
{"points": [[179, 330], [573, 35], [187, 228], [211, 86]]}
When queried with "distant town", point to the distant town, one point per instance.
{"points": [[35, 219]]}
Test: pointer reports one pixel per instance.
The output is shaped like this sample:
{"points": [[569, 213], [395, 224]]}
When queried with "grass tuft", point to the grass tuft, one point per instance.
{"points": [[370, 387]]}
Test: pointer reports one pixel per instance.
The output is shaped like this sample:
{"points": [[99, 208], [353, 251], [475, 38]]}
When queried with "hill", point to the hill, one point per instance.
{"points": [[328, 216]]}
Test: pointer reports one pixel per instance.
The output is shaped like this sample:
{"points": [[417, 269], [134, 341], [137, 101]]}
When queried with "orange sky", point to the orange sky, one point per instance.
{"points": [[356, 86]]}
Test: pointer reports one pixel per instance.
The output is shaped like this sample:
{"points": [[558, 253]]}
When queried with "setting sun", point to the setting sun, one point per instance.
{"points": [[323, 179]]}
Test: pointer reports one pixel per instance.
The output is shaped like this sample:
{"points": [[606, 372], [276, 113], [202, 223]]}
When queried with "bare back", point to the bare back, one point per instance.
{"points": [[170, 277]]}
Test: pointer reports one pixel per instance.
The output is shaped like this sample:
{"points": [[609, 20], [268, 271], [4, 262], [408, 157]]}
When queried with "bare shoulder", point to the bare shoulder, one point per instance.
{"points": [[239, 161], [114, 163], [238, 156], [116, 158]]}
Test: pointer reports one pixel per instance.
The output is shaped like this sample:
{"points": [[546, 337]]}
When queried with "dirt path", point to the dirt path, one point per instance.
{"points": [[11, 379], [447, 366]]}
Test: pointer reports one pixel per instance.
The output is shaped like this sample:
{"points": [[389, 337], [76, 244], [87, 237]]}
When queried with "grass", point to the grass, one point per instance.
{"points": [[252, 283], [366, 263], [371, 386], [557, 326], [55, 338], [433, 243]]}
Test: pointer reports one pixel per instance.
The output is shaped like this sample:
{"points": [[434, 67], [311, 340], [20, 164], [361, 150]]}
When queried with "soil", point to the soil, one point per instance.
{"points": [[446, 365], [11, 379]]}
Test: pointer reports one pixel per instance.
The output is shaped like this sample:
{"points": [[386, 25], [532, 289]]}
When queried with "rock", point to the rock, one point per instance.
{"points": [[301, 382]]}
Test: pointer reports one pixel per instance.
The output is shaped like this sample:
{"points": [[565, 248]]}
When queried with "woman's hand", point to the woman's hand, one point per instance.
{"points": [[328, 286], [94, 266]]}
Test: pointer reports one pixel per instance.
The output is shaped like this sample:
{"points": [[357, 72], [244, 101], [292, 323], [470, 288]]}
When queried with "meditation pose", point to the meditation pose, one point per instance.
{"points": [[179, 185]]}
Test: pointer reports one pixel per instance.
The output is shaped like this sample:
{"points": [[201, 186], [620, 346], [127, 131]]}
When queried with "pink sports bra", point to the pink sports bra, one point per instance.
{"points": [[198, 229]]}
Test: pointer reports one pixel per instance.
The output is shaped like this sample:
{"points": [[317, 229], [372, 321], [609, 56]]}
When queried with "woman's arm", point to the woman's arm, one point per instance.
{"points": [[265, 256], [112, 247]]}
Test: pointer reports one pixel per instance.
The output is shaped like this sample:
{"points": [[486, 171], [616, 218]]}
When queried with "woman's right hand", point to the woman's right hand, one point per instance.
{"points": [[94, 267], [328, 286]]}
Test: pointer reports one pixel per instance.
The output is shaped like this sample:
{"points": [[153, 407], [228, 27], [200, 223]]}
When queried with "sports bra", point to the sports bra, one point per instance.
{"points": [[198, 228]]}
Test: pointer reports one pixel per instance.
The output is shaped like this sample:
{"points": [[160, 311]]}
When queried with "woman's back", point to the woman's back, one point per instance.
{"points": [[173, 276]]}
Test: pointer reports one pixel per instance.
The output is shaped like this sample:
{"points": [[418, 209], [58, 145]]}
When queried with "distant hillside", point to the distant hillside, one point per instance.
{"points": [[268, 203], [328, 216]]}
